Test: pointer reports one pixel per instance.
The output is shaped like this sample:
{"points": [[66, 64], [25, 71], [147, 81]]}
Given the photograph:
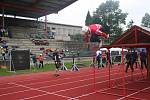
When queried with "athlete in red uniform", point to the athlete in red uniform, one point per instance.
{"points": [[93, 29]]}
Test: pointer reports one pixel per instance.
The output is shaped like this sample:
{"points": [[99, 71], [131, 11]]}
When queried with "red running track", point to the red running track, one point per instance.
{"points": [[77, 85]]}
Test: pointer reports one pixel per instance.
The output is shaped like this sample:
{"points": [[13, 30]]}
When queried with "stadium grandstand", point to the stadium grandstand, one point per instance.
{"points": [[23, 29]]}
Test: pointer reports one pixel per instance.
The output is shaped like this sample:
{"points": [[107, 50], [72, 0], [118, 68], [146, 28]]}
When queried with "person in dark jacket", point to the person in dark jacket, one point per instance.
{"points": [[57, 61], [135, 58], [143, 58], [41, 59], [99, 58], [129, 61], [34, 59]]}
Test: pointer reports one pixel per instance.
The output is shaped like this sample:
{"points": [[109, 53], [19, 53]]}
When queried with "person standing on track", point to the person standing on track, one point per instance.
{"points": [[99, 58], [135, 58], [143, 58], [57, 61], [129, 61]]}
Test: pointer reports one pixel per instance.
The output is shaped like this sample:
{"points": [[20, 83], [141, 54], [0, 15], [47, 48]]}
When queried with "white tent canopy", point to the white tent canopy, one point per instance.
{"points": [[113, 49]]}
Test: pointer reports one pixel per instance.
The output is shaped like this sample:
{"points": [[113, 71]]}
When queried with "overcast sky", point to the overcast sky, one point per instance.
{"points": [[75, 14]]}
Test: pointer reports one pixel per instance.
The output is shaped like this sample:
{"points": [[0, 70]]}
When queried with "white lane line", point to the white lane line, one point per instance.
{"points": [[41, 91], [26, 76], [133, 93], [40, 87], [121, 95], [106, 89], [92, 84], [54, 93], [8, 87], [14, 92], [39, 74], [56, 84], [75, 81], [41, 96], [69, 78], [48, 81], [34, 97], [36, 77], [72, 76], [57, 80], [113, 71], [97, 73], [91, 93], [51, 93]]}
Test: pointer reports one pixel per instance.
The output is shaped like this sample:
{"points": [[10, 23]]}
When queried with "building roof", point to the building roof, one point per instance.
{"points": [[33, 8], [135, 37]]}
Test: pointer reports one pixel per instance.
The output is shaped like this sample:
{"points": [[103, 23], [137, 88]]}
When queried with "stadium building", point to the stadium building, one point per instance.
{"points": [[24, 28]]}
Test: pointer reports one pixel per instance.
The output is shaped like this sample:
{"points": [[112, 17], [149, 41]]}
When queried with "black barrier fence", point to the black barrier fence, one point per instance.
{"points": [[20, 60]]}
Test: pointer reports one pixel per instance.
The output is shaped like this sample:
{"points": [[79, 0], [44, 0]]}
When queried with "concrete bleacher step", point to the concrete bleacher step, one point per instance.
{"points": [[37, 49]]}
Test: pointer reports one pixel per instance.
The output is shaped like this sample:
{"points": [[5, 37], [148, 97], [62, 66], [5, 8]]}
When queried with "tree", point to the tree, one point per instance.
{"points": [[88, 20], [130, 24], [146, 20], [111, 18]]}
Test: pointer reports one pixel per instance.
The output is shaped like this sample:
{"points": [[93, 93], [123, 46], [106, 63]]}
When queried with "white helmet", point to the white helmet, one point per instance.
{"points": [[85, 29]]}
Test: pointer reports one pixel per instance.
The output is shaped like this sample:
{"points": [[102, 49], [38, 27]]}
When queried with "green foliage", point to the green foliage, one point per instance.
{"points": [[110, 17], [146, 20], [130, 24], [88, 20]]}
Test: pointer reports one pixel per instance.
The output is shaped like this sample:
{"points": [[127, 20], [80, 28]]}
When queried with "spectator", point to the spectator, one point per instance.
{"points": [[78, 55], [3, 53], [2, 32], [41, 58], [129, 61], [99, 58], [109, 61], [34, 59], [62, 54], [9, 34], [57, 61], [104, 58], [135, 58], [143, 58]]}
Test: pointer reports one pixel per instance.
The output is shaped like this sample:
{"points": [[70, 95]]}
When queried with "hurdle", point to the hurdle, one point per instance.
{"points": [[63, 67], [74, 66]]}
